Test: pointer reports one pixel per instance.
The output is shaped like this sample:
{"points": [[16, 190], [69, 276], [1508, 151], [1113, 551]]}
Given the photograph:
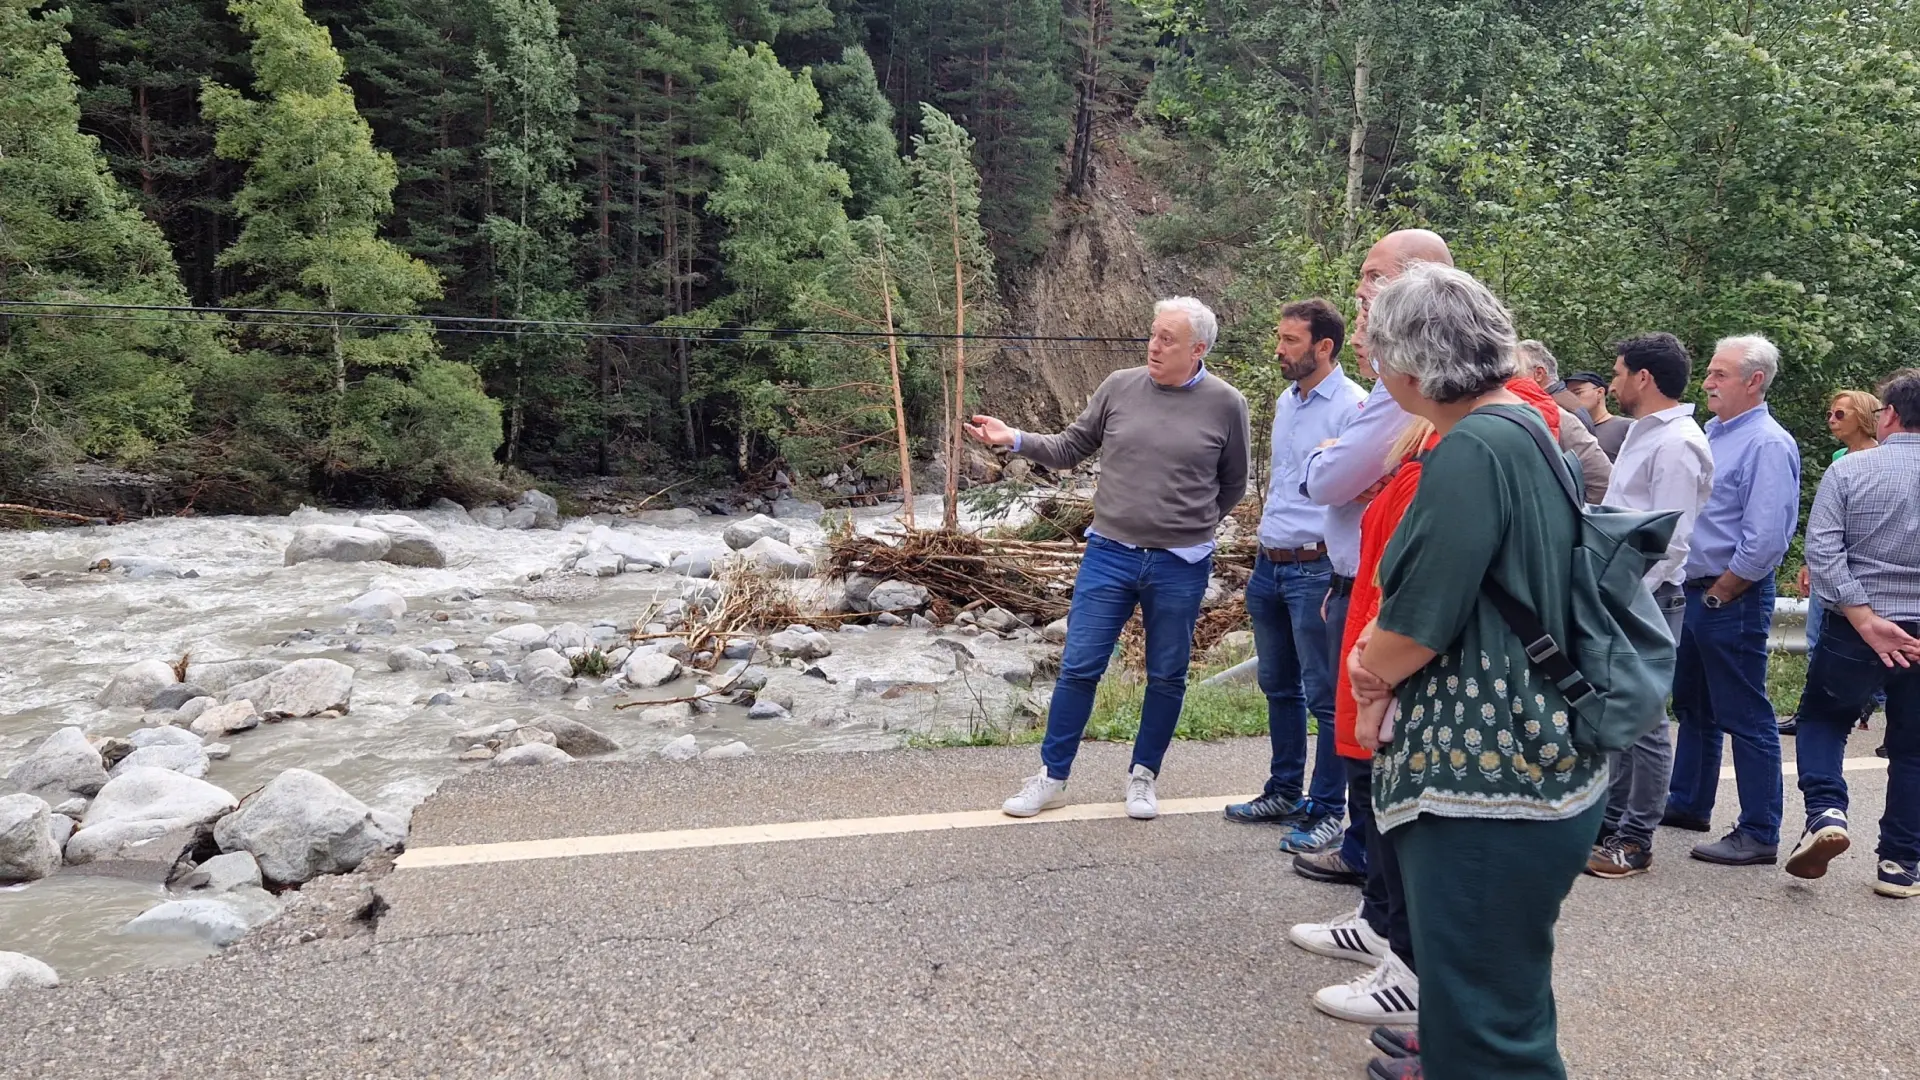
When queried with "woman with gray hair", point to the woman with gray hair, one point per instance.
{"points": [[1488, 805]]}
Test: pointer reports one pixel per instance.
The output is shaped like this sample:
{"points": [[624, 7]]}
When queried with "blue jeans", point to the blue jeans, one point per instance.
{"points": [[1720, 689], [1844, 675], [1283, 602], [1816, 620], [1113, 580]]}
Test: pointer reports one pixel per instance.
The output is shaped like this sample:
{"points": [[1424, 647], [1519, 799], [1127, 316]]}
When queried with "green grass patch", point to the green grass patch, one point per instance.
{"points": [[1209, 712], [1227, 711], [1786, 675]]}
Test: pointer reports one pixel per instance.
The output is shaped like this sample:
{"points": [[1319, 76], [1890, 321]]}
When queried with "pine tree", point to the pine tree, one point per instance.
{"points": [[413, 69], [529, 78], [779, 198], [141, 64], [996, 67], [953, 283], [860, 120], [341, 401], [68, 233]]}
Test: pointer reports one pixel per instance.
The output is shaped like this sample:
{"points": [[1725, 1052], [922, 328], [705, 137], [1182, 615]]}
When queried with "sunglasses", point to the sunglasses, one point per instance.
{"points": [[1838, 414]]}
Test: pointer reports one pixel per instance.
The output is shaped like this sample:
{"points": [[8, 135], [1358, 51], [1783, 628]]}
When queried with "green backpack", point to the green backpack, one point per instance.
{"points": [[1618, 668]]}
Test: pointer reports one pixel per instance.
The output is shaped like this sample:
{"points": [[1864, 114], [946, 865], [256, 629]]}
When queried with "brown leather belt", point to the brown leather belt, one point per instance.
{"points": [[1295, 555]]}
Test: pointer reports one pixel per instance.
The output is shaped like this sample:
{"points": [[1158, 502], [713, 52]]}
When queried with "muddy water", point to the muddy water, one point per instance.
{"points": [[64, 634]]}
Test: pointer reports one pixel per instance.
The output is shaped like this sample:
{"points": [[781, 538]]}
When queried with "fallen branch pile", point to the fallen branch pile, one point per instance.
{"points": [[963, 570]]}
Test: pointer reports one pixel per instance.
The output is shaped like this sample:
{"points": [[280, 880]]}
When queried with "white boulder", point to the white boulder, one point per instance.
{"points": [[185, 760], [302, 825], [734, 749], [895, 596], [137, 684], [773, 558], [29, 850], [221, 874], [519, 637], [410, 543], [337, 543], [407, 658], [217, 920], [21, 972], [683, 748], [64, 766], [222, 720], [147, 814], [800, 643], [678, 714], [219, 677], [650, 669], [545, 508], [303, 688], [531, 754], [378, 604], [744, 534]]}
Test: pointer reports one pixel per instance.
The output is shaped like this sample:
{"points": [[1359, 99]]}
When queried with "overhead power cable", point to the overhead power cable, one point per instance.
{"points": [[474, 324]]}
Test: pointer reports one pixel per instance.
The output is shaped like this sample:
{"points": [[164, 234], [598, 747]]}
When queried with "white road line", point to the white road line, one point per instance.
{"points": [[727, 836], [781, 832]]}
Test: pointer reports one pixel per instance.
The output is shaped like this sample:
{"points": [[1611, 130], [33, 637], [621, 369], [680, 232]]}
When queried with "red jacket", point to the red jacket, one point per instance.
{"points": [[1376, 528]]}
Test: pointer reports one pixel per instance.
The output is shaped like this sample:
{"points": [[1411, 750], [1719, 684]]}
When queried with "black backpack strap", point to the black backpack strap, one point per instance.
{"points": [[1541, 648]]}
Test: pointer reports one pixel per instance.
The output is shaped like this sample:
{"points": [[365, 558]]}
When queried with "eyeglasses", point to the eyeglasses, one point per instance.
{"points": [[1841, 414]]}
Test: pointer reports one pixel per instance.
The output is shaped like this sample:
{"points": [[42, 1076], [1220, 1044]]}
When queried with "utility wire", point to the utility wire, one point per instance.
{"points": [[474, 324], [1009, 344]]}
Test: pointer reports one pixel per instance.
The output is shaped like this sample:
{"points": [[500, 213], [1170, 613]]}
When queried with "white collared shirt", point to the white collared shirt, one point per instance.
{"points": [[1665, 464]]}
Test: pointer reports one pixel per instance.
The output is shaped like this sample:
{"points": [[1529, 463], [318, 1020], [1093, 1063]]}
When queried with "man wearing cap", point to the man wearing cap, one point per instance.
{"points": [[1591, 389]]}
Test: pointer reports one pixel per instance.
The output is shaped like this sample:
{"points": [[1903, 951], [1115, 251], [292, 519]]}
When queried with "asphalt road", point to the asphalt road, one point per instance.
{"points": [[1098, 948]]}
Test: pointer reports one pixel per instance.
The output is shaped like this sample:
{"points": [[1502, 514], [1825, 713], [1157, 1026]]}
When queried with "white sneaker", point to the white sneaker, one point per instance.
{"points": [[1346, 939], [1142, 803], [1041, 792], [1389, 994]]}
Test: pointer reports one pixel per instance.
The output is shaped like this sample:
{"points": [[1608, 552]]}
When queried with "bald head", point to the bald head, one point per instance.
{"points": [[1393, 253]]}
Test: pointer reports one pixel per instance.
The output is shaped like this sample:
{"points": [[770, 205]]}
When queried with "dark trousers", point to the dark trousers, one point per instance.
{"points": [[1483, 896], [1283, 604], [1383, 900], [1720, 690], [1353, 844], [1844, 676]]}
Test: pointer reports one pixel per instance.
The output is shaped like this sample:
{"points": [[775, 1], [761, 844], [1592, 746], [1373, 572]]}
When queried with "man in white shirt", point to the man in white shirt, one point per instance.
{"points": [[1664, 464]]}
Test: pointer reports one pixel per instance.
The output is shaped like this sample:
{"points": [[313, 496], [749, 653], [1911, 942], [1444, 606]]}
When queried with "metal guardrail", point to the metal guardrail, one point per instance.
{"points": [[1788, 634]]}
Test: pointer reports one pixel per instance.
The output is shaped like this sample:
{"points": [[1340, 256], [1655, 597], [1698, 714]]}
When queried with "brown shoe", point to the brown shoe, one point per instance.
{"points": [[1620, 857]]}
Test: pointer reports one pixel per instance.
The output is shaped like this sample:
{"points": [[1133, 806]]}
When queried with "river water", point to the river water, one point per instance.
{"points": [[66, 632]]}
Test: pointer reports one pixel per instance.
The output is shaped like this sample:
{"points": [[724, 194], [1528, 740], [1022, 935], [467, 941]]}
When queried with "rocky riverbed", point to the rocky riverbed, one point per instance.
{"points": [[200, 715]]}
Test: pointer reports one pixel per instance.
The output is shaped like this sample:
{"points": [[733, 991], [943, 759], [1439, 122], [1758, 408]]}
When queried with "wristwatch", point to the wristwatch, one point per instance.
{"points": [[1712, 602]]}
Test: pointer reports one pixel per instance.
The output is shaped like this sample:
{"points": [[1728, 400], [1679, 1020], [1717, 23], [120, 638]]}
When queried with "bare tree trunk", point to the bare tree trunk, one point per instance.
{"points": [[899, 407], [950, 518], [1356, 146], [1082, 161]]}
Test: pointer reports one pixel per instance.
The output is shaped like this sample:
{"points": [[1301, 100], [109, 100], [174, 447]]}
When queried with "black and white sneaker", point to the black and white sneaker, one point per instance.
{"points": [[1343, 939], [1825, 839], [1389, 994]]}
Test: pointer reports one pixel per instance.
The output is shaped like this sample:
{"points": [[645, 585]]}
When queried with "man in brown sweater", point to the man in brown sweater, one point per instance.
{"points": [[1173, 443]]}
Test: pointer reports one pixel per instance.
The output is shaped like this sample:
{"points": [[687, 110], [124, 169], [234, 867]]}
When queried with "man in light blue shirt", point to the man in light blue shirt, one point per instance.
{"points": [[1291, 574], [1720, 675]]}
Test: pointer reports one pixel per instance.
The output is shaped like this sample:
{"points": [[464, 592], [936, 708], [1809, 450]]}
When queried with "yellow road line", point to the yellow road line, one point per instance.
{"points": [[782, 832]]}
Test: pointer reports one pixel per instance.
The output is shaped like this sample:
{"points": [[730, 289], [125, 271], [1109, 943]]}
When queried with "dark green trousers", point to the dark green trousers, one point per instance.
{"points": [[1482, 897]]}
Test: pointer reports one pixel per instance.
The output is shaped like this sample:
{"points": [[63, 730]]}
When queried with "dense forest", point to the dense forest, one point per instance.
{"points": [[387, 248]]}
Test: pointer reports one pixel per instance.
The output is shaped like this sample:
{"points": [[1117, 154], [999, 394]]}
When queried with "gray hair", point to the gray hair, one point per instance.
{"points": [[1756, 354], [1534, 353], [1206, 328], [1445, 330]]}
